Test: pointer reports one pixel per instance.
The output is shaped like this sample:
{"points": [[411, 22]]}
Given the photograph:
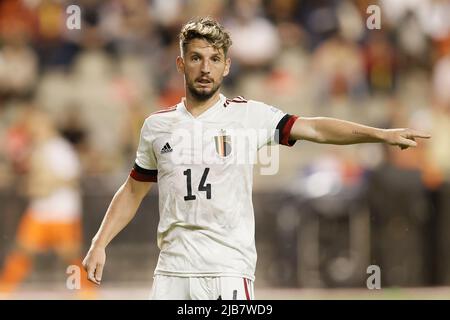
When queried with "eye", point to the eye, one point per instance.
{"points": [[216, 59], [195, 58]]}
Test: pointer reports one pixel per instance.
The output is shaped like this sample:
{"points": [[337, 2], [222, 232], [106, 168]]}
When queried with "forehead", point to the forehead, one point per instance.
{"points": [[203, 47]]}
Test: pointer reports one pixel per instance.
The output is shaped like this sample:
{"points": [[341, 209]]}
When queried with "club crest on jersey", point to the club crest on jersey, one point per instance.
{"points": [[223, 144]]}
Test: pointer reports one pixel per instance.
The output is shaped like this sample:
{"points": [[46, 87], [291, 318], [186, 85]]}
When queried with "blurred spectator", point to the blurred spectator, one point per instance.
{"points": [[255, 40], [52, 220], [213, 8], [15, 146], [441, 79], [319, 18], [380, 63], [17, 17], [18, 66], [438, 150], [350, 22], [338, 70], [413, 43], [439, 113]]}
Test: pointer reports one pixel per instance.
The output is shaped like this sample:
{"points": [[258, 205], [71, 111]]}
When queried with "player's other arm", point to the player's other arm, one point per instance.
{"points": [[335, 131], [120, 212]]}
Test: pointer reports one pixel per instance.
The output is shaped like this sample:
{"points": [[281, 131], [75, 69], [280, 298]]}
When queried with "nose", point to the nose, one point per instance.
{"points": [[205, 67]]}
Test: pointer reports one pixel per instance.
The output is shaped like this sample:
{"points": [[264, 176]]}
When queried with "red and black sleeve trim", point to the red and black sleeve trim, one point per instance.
{"points": [[144, 175], [283, 130]]}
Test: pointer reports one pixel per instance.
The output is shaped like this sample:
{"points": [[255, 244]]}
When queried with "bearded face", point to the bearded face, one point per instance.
{"points": [[203, 67]]}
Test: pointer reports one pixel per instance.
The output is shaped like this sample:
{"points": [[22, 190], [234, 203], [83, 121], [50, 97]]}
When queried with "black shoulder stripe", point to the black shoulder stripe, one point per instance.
{"points": [[140, 174]]}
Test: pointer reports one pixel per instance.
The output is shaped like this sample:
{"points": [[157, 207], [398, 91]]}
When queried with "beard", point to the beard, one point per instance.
{"points": [[202, 94]]}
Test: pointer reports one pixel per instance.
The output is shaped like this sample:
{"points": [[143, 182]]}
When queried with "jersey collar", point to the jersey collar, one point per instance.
{"points": [[205, 113]]}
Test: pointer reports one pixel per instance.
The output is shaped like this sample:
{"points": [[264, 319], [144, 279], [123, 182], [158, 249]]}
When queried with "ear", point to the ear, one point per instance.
{"points": [[227, 67], [180, 64]]}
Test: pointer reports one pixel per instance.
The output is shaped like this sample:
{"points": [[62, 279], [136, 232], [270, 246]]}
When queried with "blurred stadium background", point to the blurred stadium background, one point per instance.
{"points": [[326, 216]]}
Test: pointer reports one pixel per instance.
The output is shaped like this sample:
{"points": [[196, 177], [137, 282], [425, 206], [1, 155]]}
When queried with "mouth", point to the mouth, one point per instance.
{"points": [[204, 81]]}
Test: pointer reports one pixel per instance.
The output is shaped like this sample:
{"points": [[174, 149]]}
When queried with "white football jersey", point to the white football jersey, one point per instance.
{"points": [[204, 169], [63, 204]]}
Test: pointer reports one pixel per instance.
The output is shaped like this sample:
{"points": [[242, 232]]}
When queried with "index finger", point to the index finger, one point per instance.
{"points": [[419, 134]]}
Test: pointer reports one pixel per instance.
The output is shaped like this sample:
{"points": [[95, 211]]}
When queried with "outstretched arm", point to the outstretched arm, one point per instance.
{"points": [[335, 131], [122, 209]]}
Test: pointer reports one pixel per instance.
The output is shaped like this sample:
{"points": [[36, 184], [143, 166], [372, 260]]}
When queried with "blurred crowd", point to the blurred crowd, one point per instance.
{"points": [[308, 57]]}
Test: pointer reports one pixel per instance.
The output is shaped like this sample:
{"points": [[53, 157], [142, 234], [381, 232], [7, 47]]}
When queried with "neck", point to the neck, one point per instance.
{"points": [[197, 107]]}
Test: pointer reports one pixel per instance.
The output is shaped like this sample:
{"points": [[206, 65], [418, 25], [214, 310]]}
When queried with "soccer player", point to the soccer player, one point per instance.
{"points": [[206, 228], [52, 221]]}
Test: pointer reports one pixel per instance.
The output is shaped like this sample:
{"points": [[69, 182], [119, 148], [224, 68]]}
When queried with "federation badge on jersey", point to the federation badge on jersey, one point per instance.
{"points": [[223, 144]]}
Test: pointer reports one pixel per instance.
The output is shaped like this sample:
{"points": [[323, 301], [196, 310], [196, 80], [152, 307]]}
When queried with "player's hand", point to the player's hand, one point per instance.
{"points": [[94, 263], [404, 138]]}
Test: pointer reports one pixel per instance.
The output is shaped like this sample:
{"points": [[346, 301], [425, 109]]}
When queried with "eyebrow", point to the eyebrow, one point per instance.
{"points": [[196, 53]]}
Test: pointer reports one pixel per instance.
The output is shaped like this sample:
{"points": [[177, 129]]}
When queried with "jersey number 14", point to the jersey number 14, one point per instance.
{"points": [[201, 186]]}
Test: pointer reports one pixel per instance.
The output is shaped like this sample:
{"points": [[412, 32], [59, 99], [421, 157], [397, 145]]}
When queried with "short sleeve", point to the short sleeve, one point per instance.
{"points": [[145, 166], [274, 125]]}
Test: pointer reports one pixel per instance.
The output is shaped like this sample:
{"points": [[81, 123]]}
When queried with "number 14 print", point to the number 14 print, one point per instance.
{"points": [[201, 185]]}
